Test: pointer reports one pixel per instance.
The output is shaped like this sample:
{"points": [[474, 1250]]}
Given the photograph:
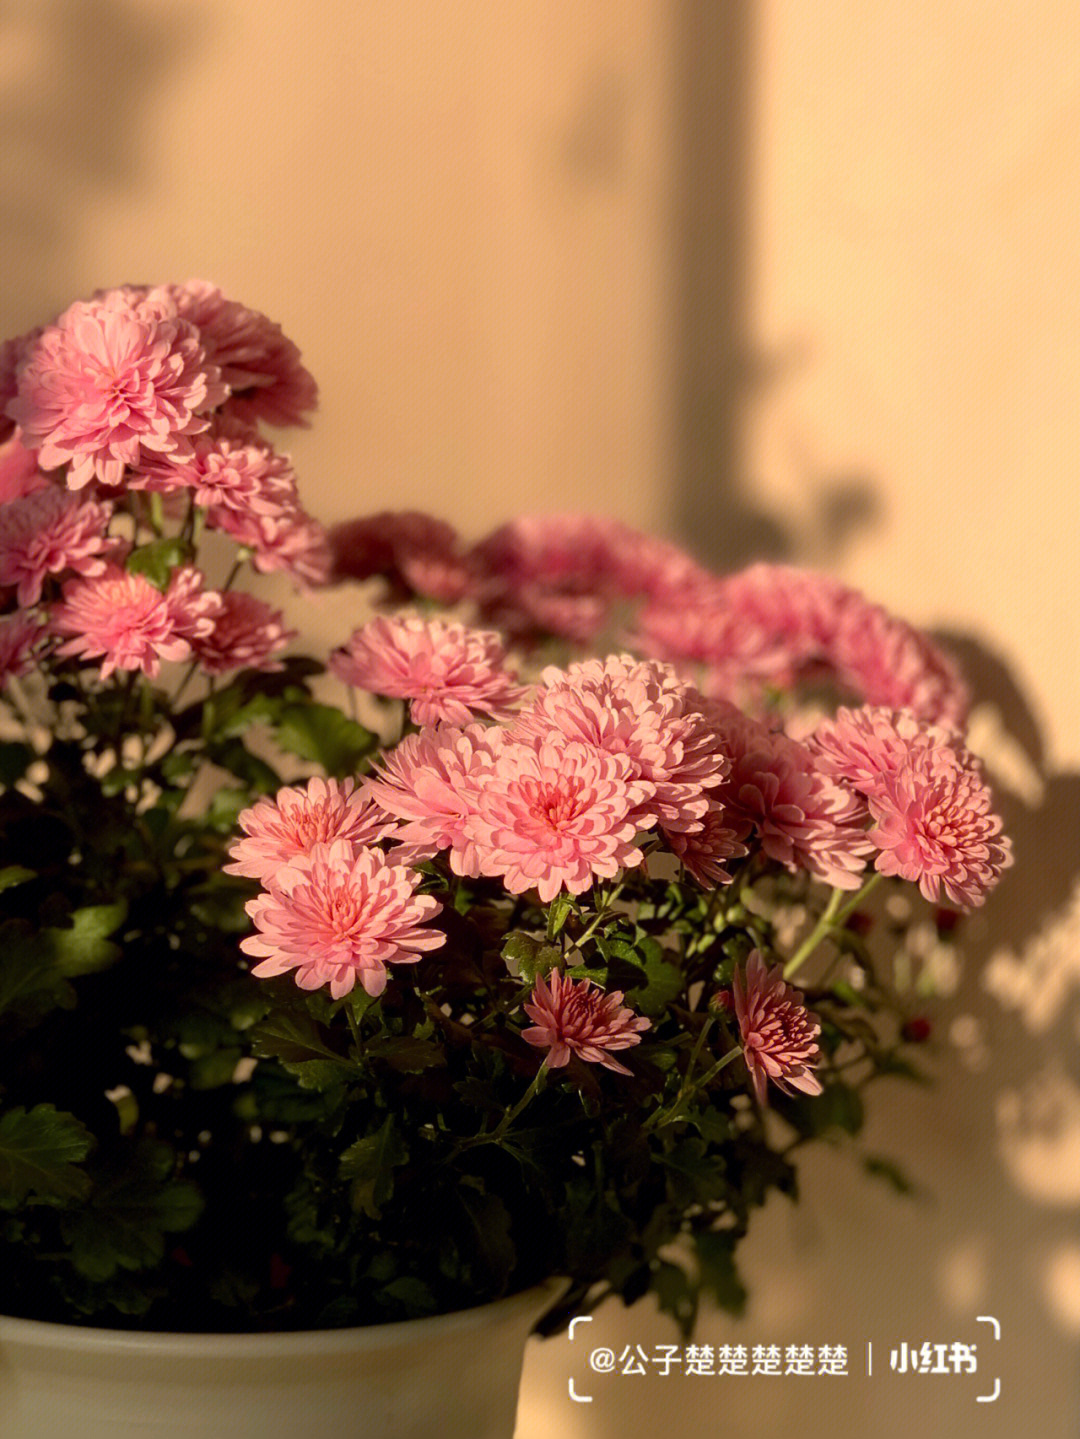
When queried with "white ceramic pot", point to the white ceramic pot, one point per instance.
{"points": [[454, 1376]]}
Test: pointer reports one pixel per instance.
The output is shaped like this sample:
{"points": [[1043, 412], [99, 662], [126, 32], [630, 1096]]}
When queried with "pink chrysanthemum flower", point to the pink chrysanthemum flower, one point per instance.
{"points": [[288, 540], [19, 473], [571, 1017], [247, 634], [804, 819], [338, 915], [445, 670], [934, 825], [113, 378], [225, 467], [414, 553], [430, 783], [131, 625], [556, 814], [864, 747], [888, 662], [641, 709], [300, 817], [260, 364], [20, 635], [47, 533], [704, 851], [12, 354], [779, 1035]]}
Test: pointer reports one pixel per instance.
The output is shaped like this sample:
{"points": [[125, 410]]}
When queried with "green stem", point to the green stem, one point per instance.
{"points": [[833, 917], [355, 1030], [602, 913]]}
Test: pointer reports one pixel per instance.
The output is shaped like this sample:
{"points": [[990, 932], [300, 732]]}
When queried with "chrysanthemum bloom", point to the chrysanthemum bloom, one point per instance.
{"points": [[568, 574], [445, 670], [864, 747], [130, 624], [19, 473], [260, 364], [430, 782], [50, 532], [112, 378], [12, 354], [779, 1035], [300, 817], [338, 915], [641, 709], [414, 553], [934, 825], [20, 634], [804, 819], [572, 1017], [888, 662], [704, 851], [289, 540], [229, 467], [247, 634], [555, 814]]}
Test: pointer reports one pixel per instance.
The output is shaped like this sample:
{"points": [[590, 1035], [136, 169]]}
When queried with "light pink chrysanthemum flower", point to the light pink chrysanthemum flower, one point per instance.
{"points": [[19, 473], [555, 814], [445, 670], [300, 817], [414, 553], [112, 378], [888, 662], [430, 783], [247, 634], [225, 467], [641, 709], [779, 1035], [20, 635], [288, 540], [571, 1017], [863, 747], [131, 625], [934, 825], [338, 915], [48, 533], [260, 364], [804, 819], [704, 851]]}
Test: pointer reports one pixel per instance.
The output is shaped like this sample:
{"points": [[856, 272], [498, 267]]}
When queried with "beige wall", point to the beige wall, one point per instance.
{"points": [[473, 217]]}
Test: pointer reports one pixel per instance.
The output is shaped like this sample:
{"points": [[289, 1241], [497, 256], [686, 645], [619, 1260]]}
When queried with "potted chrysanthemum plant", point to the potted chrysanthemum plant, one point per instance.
{"points": [[497, 965]]}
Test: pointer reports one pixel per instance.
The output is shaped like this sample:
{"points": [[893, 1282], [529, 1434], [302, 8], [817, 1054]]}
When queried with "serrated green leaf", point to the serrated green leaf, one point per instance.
{"points": [[30, 979], [293, 1037], [717, 1274], [369, 1163], [676, 1294], [84, 948], [157, 560], [325, 736], [405, 1053], [39, 1151], [663, 983]]}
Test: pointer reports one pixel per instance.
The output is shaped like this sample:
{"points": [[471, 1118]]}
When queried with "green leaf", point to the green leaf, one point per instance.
{"points": [[717, 1274], [39, 1150], [489, 1230], [676, 1294], [562, 907], [405, 1053], [134, 1204], [30, 978], [234, 756], [294, 1038], [663, 983], [84, 948], [15, 759], [412, 1294], [694, 1175], [369, 1163], [325, 736], [14, 874], [158, 560]]}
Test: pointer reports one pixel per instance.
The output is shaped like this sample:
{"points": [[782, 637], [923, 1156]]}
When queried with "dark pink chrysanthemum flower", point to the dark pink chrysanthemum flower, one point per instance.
{"points": [[430, 783], [338, 915], [50, 532], [863, 747], [779, 1035], [225, 467], [300, 817], [414, 553], [248, 634], [555, 814], [888, 662], [131, 625], [448, 672], [20, 635], [260, 364], [570, 1016], [934, 825], [704, 851], [113, 378], [640, 709], [804, 819], [19, 472], [289, 540]]}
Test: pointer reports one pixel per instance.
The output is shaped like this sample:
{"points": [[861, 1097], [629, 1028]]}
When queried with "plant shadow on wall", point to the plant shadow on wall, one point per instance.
{"points": [[76, 79]]}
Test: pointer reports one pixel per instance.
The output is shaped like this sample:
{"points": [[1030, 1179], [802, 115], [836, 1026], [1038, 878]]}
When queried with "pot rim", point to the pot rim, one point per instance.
{"points": [[44, 1334]]}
